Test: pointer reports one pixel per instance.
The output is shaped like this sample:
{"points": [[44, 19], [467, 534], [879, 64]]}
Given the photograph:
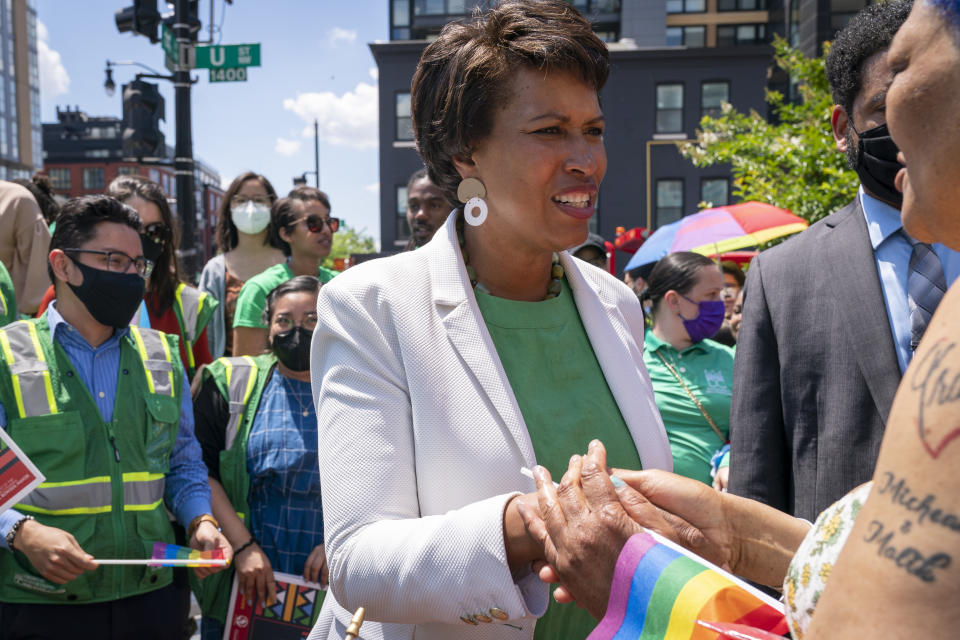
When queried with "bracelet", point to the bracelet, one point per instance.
{"points": [[204, 517], [15, 529], [244, 546]]}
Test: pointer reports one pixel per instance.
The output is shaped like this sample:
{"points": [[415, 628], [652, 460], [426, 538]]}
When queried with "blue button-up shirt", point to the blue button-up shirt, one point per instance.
{"points": [[187, 492], [892, 253]]}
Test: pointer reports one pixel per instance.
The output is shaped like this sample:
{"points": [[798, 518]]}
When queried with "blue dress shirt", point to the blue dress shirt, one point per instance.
{"points": [[892, 253], [187, 492]]}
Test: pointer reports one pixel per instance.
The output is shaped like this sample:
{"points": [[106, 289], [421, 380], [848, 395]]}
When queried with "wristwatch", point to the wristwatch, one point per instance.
{"points": [[203, 517], [15, 529]]}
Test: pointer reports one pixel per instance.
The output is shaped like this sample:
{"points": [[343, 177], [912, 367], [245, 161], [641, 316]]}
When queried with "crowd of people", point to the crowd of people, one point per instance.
{"points": [[740, 414]]}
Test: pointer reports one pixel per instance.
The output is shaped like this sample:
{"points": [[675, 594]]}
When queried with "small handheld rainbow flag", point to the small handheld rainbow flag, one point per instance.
{"points": [[660, 591], [171, 555]]}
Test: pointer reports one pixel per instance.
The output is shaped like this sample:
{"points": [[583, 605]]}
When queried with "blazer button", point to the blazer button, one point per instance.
{"points": [[499, 614], [469, 620], [481, 617]]}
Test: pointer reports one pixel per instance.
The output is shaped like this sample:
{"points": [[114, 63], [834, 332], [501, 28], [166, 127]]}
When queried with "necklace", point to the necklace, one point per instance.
{"points": [[556, 269], [304, 410]]}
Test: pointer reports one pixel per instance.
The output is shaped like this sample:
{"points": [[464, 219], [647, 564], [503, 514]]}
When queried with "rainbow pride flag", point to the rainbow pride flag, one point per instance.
{"points": [[164, 551], [660, 590]]}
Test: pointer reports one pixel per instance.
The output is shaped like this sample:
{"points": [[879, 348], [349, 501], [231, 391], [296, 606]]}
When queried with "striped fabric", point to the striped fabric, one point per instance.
{"points": [[660, 590]]}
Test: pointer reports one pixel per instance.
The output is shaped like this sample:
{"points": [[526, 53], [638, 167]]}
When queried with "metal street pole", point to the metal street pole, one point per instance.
{"points": [[316, 152], [183, 151]]}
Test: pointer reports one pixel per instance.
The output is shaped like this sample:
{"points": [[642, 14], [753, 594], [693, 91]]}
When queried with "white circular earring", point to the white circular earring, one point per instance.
{"points": [[471, 192]]}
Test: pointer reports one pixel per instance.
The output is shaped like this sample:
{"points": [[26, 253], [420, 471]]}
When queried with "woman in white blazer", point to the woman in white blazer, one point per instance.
{"points": [[424, 420]]}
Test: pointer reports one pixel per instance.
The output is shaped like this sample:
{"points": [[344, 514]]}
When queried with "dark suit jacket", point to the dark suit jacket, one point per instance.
{"points": [[815, 371]]}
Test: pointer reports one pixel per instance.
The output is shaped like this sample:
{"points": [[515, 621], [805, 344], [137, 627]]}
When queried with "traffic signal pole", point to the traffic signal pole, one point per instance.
{"points": [[183, 150]]}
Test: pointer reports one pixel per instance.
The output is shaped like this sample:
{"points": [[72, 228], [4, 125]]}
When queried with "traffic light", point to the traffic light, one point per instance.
{"points": [[143, 108], [142, 18]]}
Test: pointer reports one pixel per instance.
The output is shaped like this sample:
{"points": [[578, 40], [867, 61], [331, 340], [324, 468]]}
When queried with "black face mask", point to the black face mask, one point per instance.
{"points": [[877, 164], [111, 298], [151, 248], [292, 348]]}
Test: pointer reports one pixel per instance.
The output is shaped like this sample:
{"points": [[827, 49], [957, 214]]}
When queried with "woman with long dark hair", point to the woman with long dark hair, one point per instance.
{"points": [[245, 250]]}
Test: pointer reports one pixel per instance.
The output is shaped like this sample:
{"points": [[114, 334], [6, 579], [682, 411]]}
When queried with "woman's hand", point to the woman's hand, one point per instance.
{"points": [[520, 547], [315, 568], [255, 575], [206, 538], [722, 479]]}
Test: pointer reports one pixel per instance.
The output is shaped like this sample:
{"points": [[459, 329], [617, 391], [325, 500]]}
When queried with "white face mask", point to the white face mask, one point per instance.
{"points": [[250, 217]]}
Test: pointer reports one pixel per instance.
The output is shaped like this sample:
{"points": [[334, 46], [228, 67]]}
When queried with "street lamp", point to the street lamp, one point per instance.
{"points": [[109, 85]]}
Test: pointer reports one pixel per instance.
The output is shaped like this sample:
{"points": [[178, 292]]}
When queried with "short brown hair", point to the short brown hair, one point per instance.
{"points": [[465, 73]]}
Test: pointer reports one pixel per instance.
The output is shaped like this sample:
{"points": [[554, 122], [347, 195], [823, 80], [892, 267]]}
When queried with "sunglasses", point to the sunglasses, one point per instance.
{"points": [[157, 232], [315, 223]]}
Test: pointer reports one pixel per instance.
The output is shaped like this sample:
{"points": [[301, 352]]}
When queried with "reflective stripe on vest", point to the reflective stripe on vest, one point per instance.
{"points": [[241, 378], [142, 491], [28, 370], [190, 301], [3, 305], [157, 362]]}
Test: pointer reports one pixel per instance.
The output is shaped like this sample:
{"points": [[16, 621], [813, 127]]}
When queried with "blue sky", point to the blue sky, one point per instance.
{"points": [[315, 63]]}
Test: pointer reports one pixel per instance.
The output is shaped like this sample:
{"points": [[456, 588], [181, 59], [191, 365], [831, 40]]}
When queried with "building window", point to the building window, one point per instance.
{"points": [[59, 178], [126, 171], [739, 34], [439, 7], [404, 122], [93, 178], [741, 5], [669, 201], [715, 191], [686, 6], [403, 229], [669, 108], [712, 97], [687, 36]]}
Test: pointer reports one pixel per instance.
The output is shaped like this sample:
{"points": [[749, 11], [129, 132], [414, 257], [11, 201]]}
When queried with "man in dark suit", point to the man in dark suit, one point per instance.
{"points": [[831, 317]]}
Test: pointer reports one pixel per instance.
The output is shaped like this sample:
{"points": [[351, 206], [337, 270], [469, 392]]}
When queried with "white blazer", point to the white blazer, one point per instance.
{"points": [[421, 442]]}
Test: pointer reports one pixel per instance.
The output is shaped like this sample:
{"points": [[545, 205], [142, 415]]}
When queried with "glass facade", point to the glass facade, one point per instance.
{"points": [[11, 119], [739, 34], [694, 36], [686, 6]]}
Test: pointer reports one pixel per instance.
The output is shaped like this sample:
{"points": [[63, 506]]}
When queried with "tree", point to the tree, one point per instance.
{"points": [[790, 162], [348, 241]]}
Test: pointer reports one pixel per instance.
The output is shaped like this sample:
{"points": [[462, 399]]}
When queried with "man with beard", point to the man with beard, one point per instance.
{"points": [[427, 209], [831, 317]]}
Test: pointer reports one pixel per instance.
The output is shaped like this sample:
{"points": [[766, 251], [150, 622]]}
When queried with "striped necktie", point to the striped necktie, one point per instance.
{"points": [[926, 285]]}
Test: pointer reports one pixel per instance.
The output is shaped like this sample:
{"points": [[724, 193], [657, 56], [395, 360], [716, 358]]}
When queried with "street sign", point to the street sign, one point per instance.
{"points": [[169, 43], [230, 74], [227, 56]]}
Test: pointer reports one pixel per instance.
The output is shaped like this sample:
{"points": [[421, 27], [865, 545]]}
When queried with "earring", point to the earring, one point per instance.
{"points": [[471, 192]]}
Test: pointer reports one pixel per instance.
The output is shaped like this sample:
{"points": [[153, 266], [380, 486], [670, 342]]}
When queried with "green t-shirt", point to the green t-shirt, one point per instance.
{"points": [[253, 296], [707, 370], [8, 299], [565, 403]]}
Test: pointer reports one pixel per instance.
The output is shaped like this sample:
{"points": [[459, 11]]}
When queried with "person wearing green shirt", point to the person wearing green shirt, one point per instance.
{"points": [[301, 226], [692, 375], [8, 298]]}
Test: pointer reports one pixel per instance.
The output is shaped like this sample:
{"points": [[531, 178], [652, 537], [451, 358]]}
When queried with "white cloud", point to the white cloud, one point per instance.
{"points": [[348, 120], [54, 79], [337, 35], [373, 187], [286, 147], [374, 73]]}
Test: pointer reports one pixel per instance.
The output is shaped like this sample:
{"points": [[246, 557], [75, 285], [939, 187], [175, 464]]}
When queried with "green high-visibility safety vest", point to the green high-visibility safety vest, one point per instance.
{"points": [[104, 480], [241, 381], [193, 309]]}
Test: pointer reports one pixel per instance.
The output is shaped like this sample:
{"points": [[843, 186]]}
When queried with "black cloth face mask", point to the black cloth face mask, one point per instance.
{"points": [[292, 348], [151, 248], [877, 164], [111, 298]]}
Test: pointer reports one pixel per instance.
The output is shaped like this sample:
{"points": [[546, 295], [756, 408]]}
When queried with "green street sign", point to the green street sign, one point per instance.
{"points": [[229, 74], [169, 43], [228, 56]]}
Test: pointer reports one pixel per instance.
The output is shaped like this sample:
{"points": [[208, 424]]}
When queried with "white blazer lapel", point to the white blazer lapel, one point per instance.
{"points": [[620, 354], [456, 305]]}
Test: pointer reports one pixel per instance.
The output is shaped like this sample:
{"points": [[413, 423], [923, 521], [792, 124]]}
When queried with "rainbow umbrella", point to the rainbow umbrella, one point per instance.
{"points": [[719, 230]]}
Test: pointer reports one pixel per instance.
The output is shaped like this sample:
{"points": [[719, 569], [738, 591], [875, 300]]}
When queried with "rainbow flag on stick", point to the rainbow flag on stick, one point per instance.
{"points": [[660, 590], [171, 555]]}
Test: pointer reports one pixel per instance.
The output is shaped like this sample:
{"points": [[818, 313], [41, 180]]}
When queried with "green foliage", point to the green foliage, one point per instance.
{"points": [[348, 241], [791, 163]]}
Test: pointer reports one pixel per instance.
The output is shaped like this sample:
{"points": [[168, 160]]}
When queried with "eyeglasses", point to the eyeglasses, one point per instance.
{"points": [[315, 223], [285, 322], [118, 261], [157, 232], [239, 201]]}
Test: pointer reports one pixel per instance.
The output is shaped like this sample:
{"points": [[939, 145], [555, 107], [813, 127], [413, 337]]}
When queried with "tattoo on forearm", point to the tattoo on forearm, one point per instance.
{"points": [[938, 384], [925, 507], [907, 558]]}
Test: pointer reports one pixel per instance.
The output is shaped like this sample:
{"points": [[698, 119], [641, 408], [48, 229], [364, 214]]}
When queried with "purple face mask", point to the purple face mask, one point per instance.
{"points": [[708, 320]]}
